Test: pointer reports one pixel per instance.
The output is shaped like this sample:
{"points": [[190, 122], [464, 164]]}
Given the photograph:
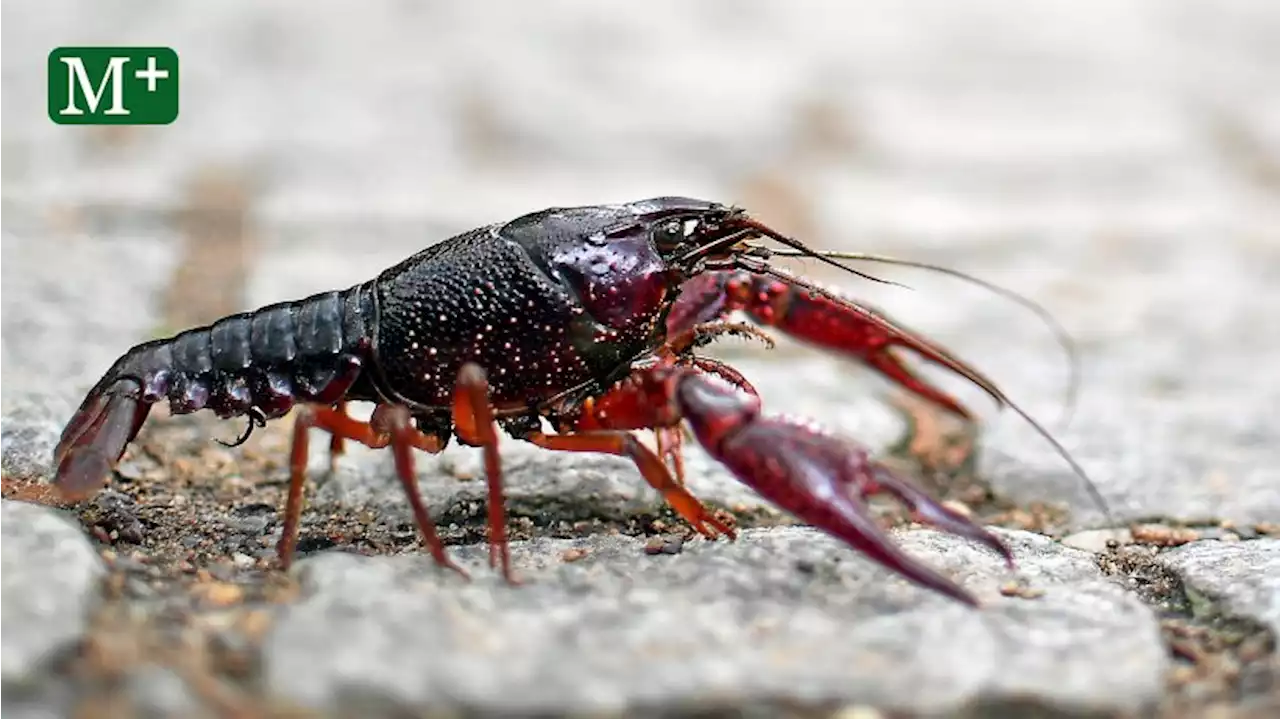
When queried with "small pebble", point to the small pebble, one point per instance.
{"points": [[130, 563], [1097, 540], [1017, 589], [573, 555], [248, 525], [254, 624], [1163, 536], [220, 594], [138, 589], [663, 545], [129, 470], [858, 711]]}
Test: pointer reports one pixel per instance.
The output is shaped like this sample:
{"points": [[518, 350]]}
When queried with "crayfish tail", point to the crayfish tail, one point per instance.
{"points": [[95, 438]]}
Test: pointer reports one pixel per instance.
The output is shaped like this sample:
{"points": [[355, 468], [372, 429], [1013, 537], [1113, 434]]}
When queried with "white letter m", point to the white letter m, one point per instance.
{"points": [[76, 72]]}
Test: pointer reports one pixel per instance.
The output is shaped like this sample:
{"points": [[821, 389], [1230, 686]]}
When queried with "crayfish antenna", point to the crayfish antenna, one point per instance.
{"points": [[94, 440], [1094, 494], [802, 250]]}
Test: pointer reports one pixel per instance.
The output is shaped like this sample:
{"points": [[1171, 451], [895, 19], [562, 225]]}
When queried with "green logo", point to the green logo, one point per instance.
{"points": [[113, 85]]}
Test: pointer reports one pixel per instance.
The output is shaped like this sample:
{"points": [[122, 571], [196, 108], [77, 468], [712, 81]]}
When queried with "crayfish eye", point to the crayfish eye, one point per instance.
{"points": [[669, 235], [675, 233]]}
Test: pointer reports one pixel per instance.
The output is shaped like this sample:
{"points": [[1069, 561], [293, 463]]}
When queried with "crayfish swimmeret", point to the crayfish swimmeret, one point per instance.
{"points": [[580, 320]]}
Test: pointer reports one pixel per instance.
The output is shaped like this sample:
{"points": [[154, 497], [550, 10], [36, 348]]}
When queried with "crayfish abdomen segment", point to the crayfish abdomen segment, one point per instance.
{"points": [[269, 359], [260, 362]]}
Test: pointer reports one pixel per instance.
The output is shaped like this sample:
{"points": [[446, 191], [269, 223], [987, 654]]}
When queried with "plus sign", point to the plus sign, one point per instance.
{"points": [[151, 74]]}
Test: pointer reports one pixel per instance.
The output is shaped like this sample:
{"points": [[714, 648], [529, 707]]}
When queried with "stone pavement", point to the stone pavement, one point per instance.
{"points": [[1117, 162]]}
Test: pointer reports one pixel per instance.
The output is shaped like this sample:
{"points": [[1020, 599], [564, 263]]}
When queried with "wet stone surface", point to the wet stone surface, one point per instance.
{"points": [[782, 614], [50, 585], [1241, 579]]}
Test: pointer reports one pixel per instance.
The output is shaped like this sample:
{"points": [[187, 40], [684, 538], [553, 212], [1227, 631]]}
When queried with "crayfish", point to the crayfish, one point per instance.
{"points": [[570, 328]]}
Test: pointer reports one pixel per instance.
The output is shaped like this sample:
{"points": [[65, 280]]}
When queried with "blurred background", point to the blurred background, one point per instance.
{"points": [[1117, 161]]}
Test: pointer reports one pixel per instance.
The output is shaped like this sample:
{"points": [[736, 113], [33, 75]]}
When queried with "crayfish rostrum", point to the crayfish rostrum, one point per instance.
{"points": [[570, 328]]}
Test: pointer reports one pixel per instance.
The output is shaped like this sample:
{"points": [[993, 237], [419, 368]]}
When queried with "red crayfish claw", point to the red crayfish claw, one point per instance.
{"points": [[820, 478], [826, 320], [816, 476], [774, 298]]}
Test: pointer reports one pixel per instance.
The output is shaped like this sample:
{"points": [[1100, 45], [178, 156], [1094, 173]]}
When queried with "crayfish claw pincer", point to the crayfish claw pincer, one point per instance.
{"points": [[928, 510], [821, 479]]}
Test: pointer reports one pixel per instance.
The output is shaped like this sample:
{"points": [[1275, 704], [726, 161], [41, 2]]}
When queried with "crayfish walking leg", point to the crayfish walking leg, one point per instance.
{"points": [[474, 424], [624, 444], [392, 426]]}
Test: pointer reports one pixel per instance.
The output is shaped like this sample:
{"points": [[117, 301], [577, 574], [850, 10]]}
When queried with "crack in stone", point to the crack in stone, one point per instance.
{"points": [[1218, 655]]}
